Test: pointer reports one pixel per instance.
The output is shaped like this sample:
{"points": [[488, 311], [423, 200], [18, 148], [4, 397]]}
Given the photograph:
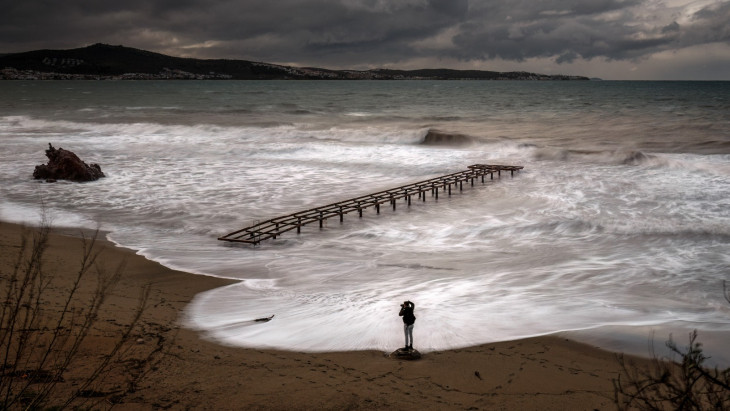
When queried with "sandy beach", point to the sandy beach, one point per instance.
{"points": [[190, 372]]}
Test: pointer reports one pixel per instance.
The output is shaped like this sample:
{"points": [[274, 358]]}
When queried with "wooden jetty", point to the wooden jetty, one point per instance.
{"points": [[270, 229]]}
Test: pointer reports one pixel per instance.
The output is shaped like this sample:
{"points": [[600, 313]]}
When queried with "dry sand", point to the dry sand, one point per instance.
{"points": [[545, 373]]}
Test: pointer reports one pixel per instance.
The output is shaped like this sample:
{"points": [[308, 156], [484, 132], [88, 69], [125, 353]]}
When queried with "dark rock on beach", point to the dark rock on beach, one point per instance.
{"points": [[406, 354], [65, 165]]}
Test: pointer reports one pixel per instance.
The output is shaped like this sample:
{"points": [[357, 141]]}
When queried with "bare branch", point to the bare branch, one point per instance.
{"points": [[39, 342], [664, 384]]}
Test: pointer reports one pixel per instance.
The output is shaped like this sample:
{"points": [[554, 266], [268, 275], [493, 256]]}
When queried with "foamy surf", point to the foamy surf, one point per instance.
{"points": [[626, 226]]}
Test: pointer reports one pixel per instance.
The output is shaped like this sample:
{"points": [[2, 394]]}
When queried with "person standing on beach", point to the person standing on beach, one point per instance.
{"points": [[406, 311]]}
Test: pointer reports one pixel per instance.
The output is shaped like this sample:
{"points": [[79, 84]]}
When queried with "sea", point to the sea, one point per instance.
{"points": [[616, 232]]}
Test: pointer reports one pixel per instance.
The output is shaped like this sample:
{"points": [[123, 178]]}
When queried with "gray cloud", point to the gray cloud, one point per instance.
{"points": [[710, 24], [565, 30], [356, 33]]}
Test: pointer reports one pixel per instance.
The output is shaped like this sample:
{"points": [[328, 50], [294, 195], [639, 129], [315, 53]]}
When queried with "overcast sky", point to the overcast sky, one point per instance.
{"points": [[611, 39]]}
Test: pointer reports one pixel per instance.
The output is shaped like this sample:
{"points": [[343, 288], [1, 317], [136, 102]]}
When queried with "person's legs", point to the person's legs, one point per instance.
{"points": [[409, 336], [405, 331]]}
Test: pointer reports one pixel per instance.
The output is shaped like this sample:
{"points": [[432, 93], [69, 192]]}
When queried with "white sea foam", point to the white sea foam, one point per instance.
{"points": [[598, 229]]}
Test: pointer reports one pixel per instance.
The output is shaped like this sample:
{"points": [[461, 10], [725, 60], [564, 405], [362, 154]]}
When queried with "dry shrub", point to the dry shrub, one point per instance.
{"points": [[42, 331], [665, 384]]}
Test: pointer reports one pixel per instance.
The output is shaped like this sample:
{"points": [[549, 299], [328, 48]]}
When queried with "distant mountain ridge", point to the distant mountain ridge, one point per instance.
{"points": [[103, 61]]}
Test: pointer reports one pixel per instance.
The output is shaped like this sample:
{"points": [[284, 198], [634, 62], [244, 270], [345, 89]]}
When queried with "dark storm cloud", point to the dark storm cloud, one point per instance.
{"points": [[326, 30], [571, 29], [376, 32], [712, 24]]}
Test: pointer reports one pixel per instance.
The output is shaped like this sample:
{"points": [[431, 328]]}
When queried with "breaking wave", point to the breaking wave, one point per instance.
{"points": [[621, 157], [441, 138]]}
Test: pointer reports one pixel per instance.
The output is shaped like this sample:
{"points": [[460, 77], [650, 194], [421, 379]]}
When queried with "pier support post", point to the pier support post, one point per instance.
{"points": [[321, 220], [299, 225], [342, 216], [377, 207]]}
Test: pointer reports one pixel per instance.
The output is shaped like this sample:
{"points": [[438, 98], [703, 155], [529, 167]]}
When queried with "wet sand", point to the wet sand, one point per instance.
{"points": [[546, 373]]}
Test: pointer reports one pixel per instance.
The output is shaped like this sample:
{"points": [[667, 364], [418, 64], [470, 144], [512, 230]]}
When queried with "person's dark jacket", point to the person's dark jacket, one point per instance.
{"points": [[406, 312]]}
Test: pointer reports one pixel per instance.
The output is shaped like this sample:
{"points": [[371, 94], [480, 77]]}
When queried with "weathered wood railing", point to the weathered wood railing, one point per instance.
{"points": [[270, 229]]}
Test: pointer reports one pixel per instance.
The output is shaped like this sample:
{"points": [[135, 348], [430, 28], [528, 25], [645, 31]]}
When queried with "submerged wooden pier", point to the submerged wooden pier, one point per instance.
{"points": [[270, 229]]}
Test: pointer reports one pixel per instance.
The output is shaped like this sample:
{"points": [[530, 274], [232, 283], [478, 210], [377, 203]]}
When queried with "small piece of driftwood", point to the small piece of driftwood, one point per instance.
{"points": [[264, 319]]}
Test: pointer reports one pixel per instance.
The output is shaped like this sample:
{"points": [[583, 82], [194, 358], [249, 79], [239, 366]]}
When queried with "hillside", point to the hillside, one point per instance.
{"points": [[102, 61]]}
